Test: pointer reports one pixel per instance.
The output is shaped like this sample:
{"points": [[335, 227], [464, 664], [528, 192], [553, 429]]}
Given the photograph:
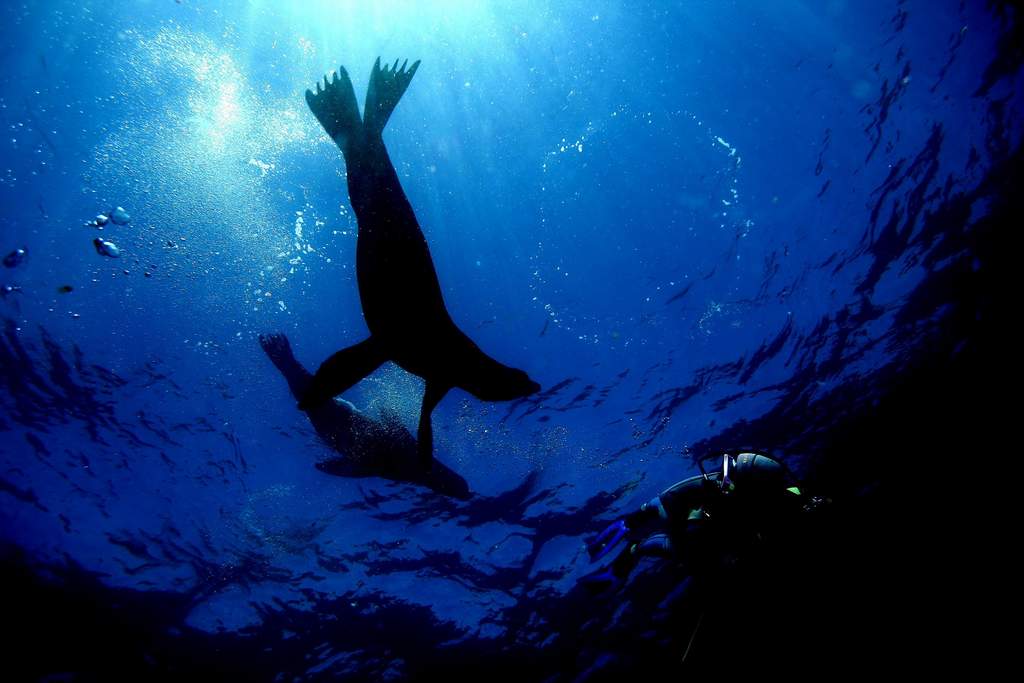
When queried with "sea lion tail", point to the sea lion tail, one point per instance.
{"points": [[386, 87], [335, 108]]}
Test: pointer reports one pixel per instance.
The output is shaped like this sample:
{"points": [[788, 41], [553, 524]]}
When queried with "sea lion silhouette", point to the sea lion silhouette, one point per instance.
{"points": [[369, 447], [401, 298]]}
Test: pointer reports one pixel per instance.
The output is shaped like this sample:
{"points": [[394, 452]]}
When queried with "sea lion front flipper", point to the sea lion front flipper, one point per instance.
{"points": [[335, 108], [341, 371], [425, 435], [279, 351], [386, 87]]}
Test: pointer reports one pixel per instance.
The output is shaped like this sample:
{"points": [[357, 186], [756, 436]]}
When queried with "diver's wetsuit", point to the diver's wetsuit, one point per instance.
{"points": [[701, 517]]}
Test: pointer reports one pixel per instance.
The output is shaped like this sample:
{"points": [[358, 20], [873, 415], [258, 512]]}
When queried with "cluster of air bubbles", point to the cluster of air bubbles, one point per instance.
{"points": [[481, 430], [391, 391], [730, 202], [574, 145], [715, 206], [538, 284], [16, 257], [712, 311], [13, 260], [105, 247], [272, 518], [263, 167], [546, 277], [118, 217], [202, 159], [30, 134], [292, 260], [204, 347]]}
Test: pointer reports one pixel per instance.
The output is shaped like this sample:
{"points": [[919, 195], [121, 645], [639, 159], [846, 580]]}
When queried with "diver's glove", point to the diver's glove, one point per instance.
{"points": [[607, 540]]}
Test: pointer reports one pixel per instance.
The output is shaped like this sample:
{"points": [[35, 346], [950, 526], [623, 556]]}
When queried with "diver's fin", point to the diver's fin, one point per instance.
{"points": [[341, 371], [425, 435], [335, 108], [386, 87]]}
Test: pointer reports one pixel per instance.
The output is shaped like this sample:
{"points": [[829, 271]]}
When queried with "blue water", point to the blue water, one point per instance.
{"points": [[698, 225]]}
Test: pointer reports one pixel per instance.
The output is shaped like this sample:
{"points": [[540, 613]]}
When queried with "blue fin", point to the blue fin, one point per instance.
{"points": [[607, 540]]}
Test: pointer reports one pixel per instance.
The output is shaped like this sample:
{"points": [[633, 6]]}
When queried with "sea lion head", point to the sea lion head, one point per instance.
{"points": [[492, 381]]}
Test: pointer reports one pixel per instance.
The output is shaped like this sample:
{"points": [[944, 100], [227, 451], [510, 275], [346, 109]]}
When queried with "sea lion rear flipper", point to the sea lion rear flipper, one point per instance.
{"points": [[341, 371], [425, 435], [336, 109], [386, 87]]}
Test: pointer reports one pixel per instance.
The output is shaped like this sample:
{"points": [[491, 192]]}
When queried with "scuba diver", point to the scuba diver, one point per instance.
{"points": [[709, 520]]}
